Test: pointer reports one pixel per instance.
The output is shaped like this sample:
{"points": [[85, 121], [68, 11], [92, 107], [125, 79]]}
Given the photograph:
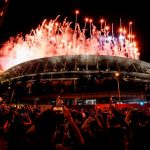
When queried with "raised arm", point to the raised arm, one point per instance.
{"points": [[74, 127]]}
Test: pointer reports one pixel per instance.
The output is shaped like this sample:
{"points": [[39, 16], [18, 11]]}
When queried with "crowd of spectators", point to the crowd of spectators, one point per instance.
{"points": [[43, 128]]}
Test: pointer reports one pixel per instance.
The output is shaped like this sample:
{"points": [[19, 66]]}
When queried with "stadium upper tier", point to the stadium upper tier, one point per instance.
{"points": [[74, 67]]}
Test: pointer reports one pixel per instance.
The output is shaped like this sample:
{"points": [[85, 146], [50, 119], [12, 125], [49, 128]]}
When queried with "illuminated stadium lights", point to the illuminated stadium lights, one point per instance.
{"points": [[56, 39]]}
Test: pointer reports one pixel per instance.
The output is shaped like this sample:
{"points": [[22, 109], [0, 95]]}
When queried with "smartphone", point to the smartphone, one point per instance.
{"points": [[58, 108]]}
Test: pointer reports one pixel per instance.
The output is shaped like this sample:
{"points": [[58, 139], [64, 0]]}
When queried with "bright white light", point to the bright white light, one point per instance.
{"points": [[121, 37]]}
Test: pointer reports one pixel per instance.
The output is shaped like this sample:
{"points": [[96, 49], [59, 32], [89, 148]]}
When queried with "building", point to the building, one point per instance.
{"points": [[83, 70], [78, 77]]}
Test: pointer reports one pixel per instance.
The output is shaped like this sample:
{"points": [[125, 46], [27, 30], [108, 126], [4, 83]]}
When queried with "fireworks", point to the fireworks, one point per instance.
{"points": [[52, 38]]}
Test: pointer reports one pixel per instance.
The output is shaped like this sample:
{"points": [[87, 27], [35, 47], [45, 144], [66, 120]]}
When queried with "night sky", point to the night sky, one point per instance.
{"points": [[24, 15]]}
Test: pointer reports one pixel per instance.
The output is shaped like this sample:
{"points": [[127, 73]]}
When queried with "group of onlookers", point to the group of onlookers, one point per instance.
{"points": [[43, 128]]}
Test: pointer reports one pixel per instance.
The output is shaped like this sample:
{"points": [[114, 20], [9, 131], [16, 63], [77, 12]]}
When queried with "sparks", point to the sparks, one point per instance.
{"points": [[53, 38]]}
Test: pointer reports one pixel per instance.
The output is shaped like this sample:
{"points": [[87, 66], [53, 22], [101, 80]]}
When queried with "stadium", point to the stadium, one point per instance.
{"points": [[83, 66]]}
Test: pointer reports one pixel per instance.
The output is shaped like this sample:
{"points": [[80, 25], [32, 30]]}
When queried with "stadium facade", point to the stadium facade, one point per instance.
{"points": [[82, 77], [84, 68]]}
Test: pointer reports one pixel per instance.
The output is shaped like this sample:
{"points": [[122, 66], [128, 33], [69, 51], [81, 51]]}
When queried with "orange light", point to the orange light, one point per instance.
{"points": [[124, 31], [1, 72], [86, 19], [77, 11], [129, 35], [130, 22], [56, 23], [117, 74], [91, 20], [107, 27], [120, 30], [1, 13], [102, 20]]}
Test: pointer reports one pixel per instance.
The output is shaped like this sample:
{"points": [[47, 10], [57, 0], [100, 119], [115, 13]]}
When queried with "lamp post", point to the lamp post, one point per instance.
{"points": [[118, 83]]}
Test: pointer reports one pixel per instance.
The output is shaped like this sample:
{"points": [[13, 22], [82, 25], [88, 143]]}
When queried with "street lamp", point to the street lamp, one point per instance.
{"points": [[117, 74]]}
